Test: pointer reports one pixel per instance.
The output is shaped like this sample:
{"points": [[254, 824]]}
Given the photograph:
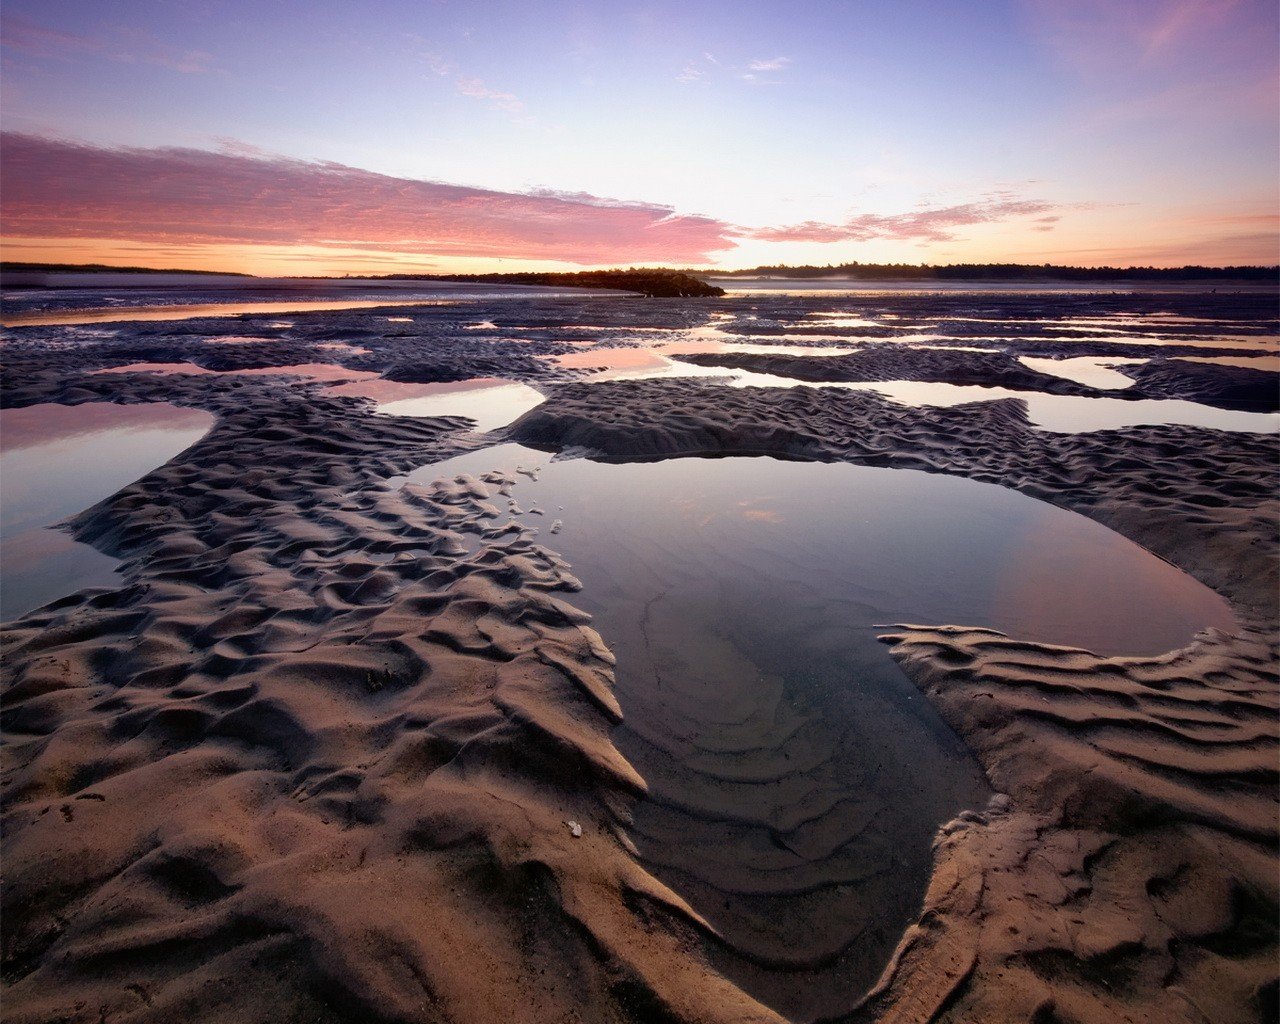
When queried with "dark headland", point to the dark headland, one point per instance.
{"points": [[654, 283]]}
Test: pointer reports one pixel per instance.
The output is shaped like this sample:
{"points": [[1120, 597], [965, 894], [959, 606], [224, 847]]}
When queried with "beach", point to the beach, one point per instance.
{"points": [[846, 655]]}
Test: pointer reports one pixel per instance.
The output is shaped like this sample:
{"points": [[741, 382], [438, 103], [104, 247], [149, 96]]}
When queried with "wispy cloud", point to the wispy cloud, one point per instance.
{"points": [[122, 45], [465, 84], [497, 99], [760, 71], [691, 72], [931, 224], [58, 189], [1094, 34]]}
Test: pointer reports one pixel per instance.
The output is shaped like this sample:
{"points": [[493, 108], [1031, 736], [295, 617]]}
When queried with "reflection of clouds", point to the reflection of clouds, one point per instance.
{"points": [[49, 424], [1091, 371], [612, 359], [858, 545], [40, 566], [491, 404], [387, 391], [1058, 575], [208, 309], [311, 371], [25, 551], [58, 460]]}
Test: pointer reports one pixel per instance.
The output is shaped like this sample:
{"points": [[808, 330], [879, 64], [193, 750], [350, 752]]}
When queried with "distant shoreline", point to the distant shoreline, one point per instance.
{"points": [[698, 281]]}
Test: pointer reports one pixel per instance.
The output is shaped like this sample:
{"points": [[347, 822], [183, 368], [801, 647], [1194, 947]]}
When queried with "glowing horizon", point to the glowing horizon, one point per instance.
{"points": [[480, 137]]}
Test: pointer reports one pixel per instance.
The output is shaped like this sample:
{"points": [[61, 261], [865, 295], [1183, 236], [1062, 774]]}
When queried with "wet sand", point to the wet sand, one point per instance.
{"points": [[340, 749]]}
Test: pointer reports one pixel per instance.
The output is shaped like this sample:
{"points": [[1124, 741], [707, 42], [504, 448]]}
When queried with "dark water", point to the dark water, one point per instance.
{"points": [[55, 461], [796, 776]]}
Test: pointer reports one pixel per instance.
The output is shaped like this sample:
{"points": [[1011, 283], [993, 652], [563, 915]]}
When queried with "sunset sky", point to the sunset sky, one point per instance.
{"points": [[275, 136]]}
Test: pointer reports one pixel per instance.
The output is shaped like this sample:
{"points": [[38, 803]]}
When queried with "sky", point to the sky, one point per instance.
{"points": [[317, 137]]}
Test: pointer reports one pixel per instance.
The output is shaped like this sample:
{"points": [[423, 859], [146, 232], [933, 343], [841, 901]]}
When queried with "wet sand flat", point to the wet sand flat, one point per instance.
{"points": [[956, 717]]}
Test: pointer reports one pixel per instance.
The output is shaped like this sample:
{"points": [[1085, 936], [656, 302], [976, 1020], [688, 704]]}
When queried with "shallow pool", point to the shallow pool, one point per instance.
{"points": [[796, 776], [55, 461]]}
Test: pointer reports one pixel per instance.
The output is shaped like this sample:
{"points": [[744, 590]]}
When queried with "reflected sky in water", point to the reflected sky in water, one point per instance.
{"points": [[57, 460], [742, 598], [875, 545]]}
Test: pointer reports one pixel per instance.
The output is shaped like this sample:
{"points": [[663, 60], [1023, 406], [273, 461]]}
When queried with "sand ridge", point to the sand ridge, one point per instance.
{"points": [[1129, 873]]}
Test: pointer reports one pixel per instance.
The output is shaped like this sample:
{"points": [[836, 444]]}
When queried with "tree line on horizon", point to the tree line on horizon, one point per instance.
{"points": [[1003, 272], [692, 282]]}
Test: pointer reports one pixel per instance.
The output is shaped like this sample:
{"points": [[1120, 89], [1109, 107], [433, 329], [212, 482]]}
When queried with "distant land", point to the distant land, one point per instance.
{"points": [[1004, 272], [661, 282], [12, 267], [658, 283]]}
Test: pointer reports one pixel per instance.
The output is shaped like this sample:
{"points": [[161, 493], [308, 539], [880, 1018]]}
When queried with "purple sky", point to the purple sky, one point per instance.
{"points": [[320, 137]]}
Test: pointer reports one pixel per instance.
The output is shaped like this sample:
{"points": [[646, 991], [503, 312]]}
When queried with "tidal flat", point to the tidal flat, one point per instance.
{"points": [[826, 655]]}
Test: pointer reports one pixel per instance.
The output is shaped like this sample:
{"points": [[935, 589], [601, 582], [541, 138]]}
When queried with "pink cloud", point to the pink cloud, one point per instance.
{"points": [[1185, 36], [937, 224], [60, 189], [475, 88], [125, 46], [19, 33]]}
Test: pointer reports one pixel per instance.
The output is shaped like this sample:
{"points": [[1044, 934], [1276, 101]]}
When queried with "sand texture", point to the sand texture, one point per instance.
{"points": [[339, 751], [317, 762]]}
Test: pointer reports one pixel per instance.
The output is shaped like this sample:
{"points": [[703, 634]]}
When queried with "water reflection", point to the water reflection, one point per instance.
{"points": [[57, 460], [489, 401], [796, 777], [194, 311], [309, 371], [1068, 414], [1091, 371]]}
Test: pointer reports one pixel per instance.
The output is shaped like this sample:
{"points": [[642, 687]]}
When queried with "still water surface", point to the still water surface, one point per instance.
{"points": [[796, 776], [55, 461]]}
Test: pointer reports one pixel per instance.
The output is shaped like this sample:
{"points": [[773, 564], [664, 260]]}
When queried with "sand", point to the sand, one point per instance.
{"points": [[337, 751]]}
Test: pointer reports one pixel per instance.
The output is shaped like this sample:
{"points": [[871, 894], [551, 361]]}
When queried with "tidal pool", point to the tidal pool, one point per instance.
{"points": [[57, 460], [1091, 371], [796, 777], [490, 401]]}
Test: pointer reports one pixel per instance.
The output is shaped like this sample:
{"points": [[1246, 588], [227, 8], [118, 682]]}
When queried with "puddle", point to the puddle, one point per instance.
{"points": [[796, 777], [1091, 371], [1067, 414], [754, 348], [490, 401], [612, 359], [839, 319], [184, 367], [206, 309], [1270, 364], [1063, 414], [311, 371], [1243, 341], [57, 460]]}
